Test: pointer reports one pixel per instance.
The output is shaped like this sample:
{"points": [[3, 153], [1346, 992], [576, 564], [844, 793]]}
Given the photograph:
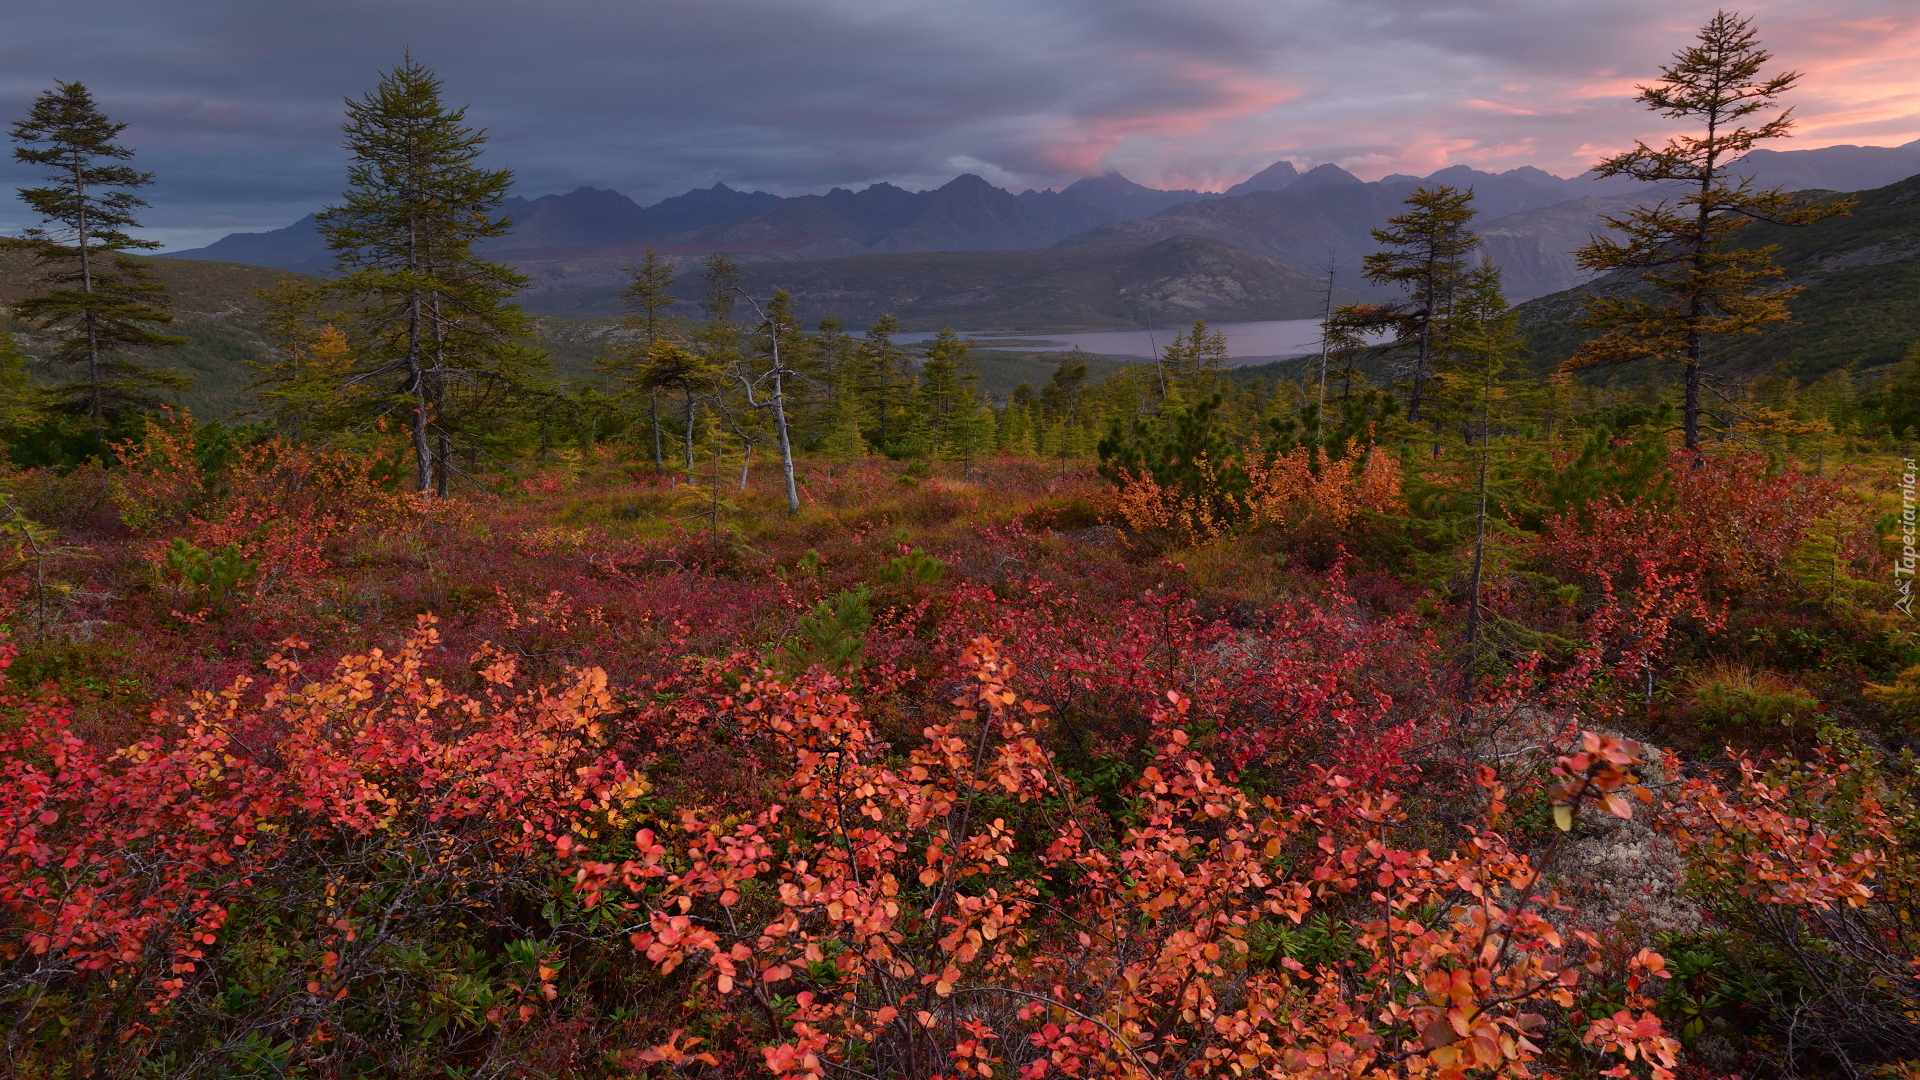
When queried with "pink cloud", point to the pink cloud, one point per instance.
{"points": [[1510, 110], [1211, 96]]}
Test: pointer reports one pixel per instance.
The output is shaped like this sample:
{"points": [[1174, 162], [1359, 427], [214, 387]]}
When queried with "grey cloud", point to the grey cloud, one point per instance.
{"points": [[235, 103]]}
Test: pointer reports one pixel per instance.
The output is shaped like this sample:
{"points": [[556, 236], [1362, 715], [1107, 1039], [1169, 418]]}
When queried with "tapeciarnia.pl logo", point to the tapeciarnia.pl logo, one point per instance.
{"points": [[1903, 568]]}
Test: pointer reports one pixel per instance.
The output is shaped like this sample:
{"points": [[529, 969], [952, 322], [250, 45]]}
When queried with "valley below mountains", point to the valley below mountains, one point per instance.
{"points": [[1045, 289]]}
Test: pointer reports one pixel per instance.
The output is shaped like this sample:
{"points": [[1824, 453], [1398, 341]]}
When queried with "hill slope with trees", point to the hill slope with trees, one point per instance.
{"points": [[1858, 307]]}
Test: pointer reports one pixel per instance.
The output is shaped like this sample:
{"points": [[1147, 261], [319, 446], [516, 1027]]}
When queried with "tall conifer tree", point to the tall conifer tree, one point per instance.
{"points": [[671, 365], [885, 380], [436, 331], [833, 366], [1426, 254], [102, 306], [947, 389], [716, 345], [647, 299], [1703, 285], [1194, 362]]}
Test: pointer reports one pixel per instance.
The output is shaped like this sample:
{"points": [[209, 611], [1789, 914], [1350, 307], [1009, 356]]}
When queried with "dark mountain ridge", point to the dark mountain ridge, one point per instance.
{"points": [[1532, 219], [584, 217], [1272, 178]]}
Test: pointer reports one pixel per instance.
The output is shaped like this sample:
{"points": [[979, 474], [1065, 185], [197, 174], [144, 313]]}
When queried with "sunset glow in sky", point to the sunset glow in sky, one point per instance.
{"points": [[235, 104]]}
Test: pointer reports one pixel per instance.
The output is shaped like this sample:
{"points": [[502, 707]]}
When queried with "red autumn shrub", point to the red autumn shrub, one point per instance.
{"points": [[1734, 526], [956, 911], [357, 806]]}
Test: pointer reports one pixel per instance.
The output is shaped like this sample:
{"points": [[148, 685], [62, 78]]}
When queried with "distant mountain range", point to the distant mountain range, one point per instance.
{"points": [[966, 214], [1531, 220]]}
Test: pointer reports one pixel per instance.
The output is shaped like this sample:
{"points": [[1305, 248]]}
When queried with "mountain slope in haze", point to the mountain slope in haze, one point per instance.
{"points": [[1096, 200], [588, 236], [841, 222], [1832, 168], [297, 248], [214, 308], [1532, 220], [1534, 248], [1328, 214], [583, 217], [1044, 289], [702, 207], [967, 214], [1325, 213], [1859, 307]]}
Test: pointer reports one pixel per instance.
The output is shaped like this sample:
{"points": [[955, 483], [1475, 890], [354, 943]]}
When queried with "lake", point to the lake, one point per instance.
{"points": [[1247, 342]]}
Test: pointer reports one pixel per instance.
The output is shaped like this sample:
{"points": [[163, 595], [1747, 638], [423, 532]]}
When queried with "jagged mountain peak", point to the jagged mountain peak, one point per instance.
{"points": [[1275, 177], [968, 182], [1108, 183], [1326, 175]]}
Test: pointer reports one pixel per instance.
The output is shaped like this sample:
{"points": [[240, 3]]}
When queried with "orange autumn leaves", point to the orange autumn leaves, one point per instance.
{"points": [[1278, 489], [953, 908], [959, 913]]}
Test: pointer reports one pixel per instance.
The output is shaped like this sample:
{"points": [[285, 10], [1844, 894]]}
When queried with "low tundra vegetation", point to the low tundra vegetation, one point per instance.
{"points": [[305, 776]]}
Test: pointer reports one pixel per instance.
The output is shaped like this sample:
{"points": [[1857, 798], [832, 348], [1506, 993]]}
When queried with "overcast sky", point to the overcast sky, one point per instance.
{"points": [[235, 104]]}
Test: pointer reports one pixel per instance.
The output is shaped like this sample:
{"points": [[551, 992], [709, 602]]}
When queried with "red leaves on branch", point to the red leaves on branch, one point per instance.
{"points": [[121, 863], [1733, 528], [1759, 839], [890, 913], [1319, 679]]}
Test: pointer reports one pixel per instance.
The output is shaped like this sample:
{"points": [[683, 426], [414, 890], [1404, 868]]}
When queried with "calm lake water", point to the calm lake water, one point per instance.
{"points": [[1247, 342]]}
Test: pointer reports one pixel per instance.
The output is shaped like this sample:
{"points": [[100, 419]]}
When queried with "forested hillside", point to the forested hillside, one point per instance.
{"points": [[216, 309]]}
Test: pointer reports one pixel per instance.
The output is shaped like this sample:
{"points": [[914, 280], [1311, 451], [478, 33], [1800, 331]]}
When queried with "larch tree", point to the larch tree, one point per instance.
{"points": [[841, 418], [1702, 284], [101, 306], [1062, 395], [1426, 253], [1193, 362], [1486, 344], [716, 343], [648, 301], [885, 378], [22, 404], [435, 331], [948, 388], [299, 389], [671, 365]]}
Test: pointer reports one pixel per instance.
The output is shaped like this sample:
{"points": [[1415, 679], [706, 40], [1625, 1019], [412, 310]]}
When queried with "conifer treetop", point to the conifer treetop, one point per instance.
{"points": [[66, 133], [1718, 79]]}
